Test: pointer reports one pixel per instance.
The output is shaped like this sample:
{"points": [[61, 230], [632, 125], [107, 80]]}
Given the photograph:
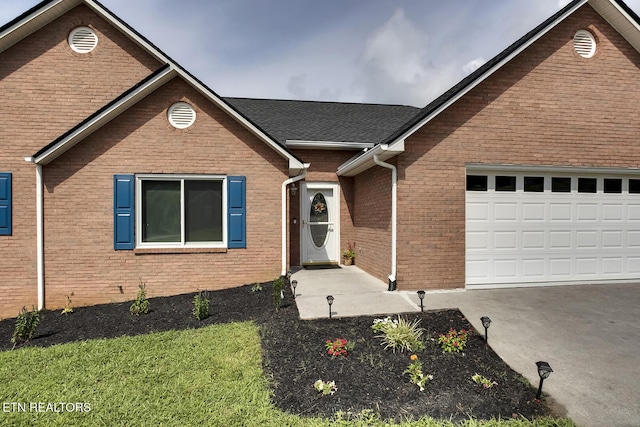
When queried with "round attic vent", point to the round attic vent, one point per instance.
{"points": [[83, 40], [181, 115], [584, 43]]}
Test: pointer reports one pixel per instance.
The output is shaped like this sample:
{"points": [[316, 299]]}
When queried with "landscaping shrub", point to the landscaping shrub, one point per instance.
{"points": [[141, 304], [454, 341], [26, 324], [400, 334], [278, 285], [201, 305]]}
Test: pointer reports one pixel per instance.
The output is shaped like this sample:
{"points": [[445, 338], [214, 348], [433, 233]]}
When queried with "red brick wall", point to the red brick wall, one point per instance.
{"points": [[46, 88], [79, 203], [324, 164], [548, 106], [372, 221]]}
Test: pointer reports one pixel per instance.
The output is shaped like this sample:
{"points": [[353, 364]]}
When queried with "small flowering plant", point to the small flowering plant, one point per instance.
{"points": [[416, 376], [454, 341], [380, 325], [483, 381], [339, 347], [326, 388]]}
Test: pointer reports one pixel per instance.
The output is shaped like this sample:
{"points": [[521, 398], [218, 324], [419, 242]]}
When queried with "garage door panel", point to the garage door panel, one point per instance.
{"points": [[533, 212], [526, 237], [612, 212], [561, 212], [505, 212], [613, 266], [586, 212], [533, 240]]}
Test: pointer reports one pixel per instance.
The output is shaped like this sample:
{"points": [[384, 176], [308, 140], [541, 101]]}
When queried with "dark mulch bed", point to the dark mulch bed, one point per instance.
{"points": [[294, 357]]}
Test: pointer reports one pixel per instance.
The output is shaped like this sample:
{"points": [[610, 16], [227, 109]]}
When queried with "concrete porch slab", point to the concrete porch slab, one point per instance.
{"points": [[355, 293]]}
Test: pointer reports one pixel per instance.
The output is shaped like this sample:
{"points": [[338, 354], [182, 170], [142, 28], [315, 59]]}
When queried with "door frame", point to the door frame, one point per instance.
{"points": [[304, 208]]}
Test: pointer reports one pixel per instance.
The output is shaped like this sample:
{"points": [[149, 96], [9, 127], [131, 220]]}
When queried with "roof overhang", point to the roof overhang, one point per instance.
{"points": [[47, 11], [103, 116], [366, 160], [619, 18], [328, 145]]}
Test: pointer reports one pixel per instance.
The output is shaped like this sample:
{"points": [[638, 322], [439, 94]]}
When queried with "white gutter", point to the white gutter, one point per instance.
{"points": [[284, 215], [39, 233], [394, 219], [328, 145]]}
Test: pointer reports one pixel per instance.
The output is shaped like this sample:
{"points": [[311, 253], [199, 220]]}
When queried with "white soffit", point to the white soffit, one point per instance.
{"points": [[618, 19], [34, 21]]}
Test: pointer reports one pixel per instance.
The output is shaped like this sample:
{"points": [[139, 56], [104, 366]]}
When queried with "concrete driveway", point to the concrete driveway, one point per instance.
{"points": [[590, 335]]}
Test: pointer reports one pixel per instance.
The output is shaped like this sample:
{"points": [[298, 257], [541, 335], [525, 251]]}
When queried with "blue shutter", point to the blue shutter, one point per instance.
{"points": [[123, 218], [5, 204], [237, 212]]}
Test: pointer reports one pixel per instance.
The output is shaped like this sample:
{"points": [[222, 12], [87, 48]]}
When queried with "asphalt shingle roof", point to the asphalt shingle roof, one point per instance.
{"points": [[324, 121]]}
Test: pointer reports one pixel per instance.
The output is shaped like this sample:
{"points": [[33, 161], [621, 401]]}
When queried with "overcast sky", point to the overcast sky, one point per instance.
{"points": [[381, 51]]}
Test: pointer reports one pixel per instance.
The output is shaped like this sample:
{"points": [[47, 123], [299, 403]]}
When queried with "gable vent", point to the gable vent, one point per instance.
{"points": [[181, 115], [83, 40], [584, 43]]}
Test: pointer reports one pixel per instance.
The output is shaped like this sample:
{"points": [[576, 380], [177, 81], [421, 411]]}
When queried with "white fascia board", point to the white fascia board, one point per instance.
{"points": [[327, 145], [488, 73], [366, 160], [33, 22], [104, 117]]}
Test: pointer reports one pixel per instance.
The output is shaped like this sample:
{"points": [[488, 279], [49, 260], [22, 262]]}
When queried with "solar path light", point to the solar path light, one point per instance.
{"points": [[330, 301], [421, 296], [544, 370], [486, 322], [294, 284]]}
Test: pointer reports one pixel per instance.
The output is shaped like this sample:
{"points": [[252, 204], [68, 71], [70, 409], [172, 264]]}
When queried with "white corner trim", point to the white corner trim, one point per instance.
{"points": [[394, 215]]}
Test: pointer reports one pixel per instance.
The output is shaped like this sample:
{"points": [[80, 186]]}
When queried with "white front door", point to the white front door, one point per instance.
{"points": [[320, 228]]}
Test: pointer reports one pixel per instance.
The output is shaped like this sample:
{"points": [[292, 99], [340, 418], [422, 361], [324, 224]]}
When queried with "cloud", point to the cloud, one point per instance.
{"points": [[296, 84], [395, 65], [473, 65]]}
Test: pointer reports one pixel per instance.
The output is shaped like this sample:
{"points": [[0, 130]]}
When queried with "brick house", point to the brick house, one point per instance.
{"points": [[118, 166]]}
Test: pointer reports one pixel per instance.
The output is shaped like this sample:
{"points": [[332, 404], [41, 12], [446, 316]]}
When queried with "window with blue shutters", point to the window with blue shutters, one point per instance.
{"points": [[5, 204], [198, 211]]}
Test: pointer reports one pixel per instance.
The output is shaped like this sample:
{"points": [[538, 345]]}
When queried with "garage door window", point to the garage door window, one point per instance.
{"points": [[505, 183], [587, 185], [634, 186], [534, 184], [476, 183], [612, 185], [561, 185]]}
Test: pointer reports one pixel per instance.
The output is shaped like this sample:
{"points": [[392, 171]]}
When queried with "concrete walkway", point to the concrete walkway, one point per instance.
{"points": [[590, 335]]}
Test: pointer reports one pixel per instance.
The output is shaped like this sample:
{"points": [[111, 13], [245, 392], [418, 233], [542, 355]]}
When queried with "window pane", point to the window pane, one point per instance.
{"points": [[476, 183], [634, 186], [203, 206], [587, 185], [505, 183], [613, 185], [534, 184], [561, 185], [161, 211]]}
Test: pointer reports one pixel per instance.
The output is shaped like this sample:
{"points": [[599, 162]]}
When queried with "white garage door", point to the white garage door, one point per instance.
{"points": [[544, 228]]}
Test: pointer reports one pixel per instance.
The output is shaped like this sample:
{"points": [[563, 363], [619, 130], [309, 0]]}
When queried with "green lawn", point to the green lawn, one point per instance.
{"points": [[209, 376]]}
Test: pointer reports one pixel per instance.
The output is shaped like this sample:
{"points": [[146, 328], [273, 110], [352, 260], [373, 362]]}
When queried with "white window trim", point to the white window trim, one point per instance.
{"points": [[181, 178]]}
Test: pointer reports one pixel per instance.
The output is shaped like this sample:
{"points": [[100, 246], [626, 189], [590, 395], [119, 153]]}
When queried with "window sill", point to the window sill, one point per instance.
{"points": [[163, 251]]}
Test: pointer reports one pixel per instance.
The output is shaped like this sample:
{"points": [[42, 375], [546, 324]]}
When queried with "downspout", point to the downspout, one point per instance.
{"points": [[39, 232], [284, 215], [394, 219]]}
